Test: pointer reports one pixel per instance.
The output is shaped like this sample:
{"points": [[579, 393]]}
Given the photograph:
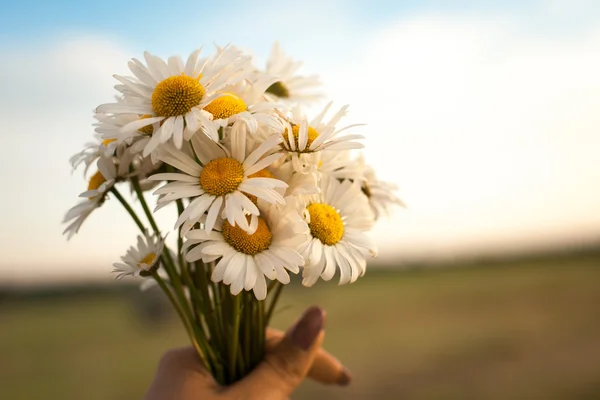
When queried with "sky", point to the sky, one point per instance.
{"points": [[484, 113]]}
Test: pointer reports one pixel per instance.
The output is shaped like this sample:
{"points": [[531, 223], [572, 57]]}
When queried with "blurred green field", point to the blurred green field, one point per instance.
{"points": [[525, 330]]}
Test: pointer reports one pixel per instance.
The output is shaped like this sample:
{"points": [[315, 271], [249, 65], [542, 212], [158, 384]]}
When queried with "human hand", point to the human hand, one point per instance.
{"points": [[289, 358]]}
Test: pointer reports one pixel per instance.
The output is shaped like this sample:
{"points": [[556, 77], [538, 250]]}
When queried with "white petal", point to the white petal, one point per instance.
{"points": [[251, 273], [260, 288], [213, 213], [236, 264]]}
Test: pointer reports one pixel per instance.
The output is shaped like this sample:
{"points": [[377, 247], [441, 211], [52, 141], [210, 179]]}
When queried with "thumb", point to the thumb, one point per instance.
{"points": [[286, 365]]}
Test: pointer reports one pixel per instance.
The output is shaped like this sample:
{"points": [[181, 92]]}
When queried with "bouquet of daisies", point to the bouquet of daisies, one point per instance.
{"points": [[260, 190]]}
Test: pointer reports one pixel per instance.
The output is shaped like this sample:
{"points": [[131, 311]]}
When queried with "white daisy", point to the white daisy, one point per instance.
{"points": [[380, 194], [103, 179], [141, 258], [289, 86], [337, 218], [110, 128], [302, 138], [100, 147], [173, 95], [79, 213], [99, 184], [219, 182], [245, 104], [247, 259]]}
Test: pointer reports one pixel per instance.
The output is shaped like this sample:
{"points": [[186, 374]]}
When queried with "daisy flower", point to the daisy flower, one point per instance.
{"points": [[99, 184], [301, 138], [244, 103], [110, 129], [246, 260], [79, 213], [219, 182], [171, 96], [289, 86], [140, 259], [92, 151], [380, 194], [337, 217], [102, 180]]}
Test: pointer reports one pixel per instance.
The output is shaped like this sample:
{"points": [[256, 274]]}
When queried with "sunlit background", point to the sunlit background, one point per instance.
{"points": [[486, 115]]}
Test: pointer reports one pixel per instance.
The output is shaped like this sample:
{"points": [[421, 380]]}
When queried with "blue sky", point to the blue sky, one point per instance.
{"points": [[159, 23], [484, 113]]}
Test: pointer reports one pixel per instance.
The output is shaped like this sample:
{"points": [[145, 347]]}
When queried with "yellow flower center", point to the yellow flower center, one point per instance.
{"points": [[279, 90], [312, 135], [148, 260], [325, 223], [148, 129], [263, 173], [226, 106], [221, 176], [176, 95], [96, 181], [245, 243], [106, 142]]}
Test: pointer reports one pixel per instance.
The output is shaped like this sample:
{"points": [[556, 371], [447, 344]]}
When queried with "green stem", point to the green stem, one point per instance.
{"points": [[128, 208], [210, 311], [217, 298], [248, 325], [261, 330], [186, 322], [168, 260], [235, 332], [138, 190], [175, 278], [182, 261], [274, 299]]}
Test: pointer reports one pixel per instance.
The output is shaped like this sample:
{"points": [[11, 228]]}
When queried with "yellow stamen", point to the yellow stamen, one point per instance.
{"points": [[312, 135], [221, 176], [96, 181], [148, 260], [325, 223], [245, 243], [148, 129], [226, 106], [176, 95], [279, 90], [263, 173], [106, 142]]}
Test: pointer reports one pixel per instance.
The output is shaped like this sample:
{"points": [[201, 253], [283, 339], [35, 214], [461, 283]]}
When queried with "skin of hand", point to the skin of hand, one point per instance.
{"points": [[289, 358]]}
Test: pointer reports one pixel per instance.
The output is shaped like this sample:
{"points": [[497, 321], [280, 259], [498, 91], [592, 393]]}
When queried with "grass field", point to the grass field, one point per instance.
{"points": [[528, 330]]}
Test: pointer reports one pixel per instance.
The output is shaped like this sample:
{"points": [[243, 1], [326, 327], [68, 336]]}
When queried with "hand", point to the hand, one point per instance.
{"points": [[289, 358]]}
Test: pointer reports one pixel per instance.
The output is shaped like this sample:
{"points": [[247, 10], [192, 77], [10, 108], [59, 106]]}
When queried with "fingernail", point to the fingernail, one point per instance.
{"points": [[345, 378], [304, 333]]}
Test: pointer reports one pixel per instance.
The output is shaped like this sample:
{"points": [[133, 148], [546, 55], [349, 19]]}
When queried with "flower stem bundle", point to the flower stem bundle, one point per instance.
{"points": [[257, 191]]}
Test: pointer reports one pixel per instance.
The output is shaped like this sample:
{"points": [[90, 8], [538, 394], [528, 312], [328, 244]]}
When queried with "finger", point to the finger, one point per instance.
{"points": [[329, 370], [325, 368], [180, 375], [286, 365]]}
